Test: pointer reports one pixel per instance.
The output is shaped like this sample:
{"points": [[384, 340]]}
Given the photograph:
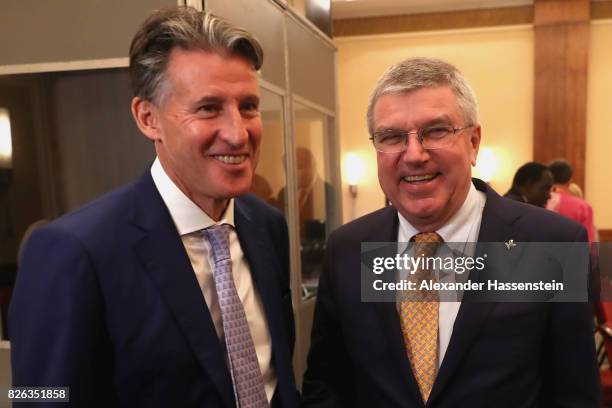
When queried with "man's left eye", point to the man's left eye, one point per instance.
{"points": [[437, 132], [249, 108], [209, 108]]}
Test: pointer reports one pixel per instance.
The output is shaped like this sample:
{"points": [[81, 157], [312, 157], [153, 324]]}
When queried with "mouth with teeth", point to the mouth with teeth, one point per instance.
{"points": [[420, 178], [230, 159]]}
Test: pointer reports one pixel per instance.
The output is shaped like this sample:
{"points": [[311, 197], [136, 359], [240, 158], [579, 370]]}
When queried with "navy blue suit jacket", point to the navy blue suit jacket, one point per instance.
{"points": [[107, 303], [510, 355]]}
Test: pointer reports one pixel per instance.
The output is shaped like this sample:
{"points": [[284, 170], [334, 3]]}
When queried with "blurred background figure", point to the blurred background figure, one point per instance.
{"points": [[575, 190], [566, 203], [532, 184], [315, 195], [315, 202], [262, 189]]}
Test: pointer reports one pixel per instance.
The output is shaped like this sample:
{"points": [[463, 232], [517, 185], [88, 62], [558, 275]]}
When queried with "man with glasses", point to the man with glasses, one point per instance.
{"points": [[423, 122]]}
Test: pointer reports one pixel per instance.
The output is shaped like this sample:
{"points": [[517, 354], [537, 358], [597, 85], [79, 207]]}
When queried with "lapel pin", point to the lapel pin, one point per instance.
{"points": [[510, 244]]}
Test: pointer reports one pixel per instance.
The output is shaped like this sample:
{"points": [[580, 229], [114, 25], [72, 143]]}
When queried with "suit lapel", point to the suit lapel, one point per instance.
{"points": [[399, 372], [165, 259], [266, 273], [496, 226]]}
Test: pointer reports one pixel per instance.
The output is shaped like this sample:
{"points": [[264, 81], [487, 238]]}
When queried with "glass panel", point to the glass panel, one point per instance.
{"points": [[311, 66], [269, 180], [299, 6], [316, 197], [267, 27]]}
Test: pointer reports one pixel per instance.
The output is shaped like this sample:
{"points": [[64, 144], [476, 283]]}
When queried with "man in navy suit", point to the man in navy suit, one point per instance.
{"points": [[423, 122], [121, 300]]}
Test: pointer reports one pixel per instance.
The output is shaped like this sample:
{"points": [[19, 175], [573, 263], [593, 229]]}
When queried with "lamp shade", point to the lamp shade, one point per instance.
{"points": [[354, 168]]}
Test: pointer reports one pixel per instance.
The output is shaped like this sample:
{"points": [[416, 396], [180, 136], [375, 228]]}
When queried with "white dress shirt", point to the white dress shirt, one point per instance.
{"points": [[462, 227], [189, 220]]}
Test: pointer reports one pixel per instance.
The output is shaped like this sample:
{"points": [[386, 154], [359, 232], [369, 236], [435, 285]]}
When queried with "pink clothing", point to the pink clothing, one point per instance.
{"points": [[575, 208]]}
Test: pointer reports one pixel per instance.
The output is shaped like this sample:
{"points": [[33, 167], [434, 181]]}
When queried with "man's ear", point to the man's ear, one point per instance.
{"points": [[145, 115], [474, 143]]}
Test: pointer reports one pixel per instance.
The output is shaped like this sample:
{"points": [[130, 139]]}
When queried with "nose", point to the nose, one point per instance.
{"points": [[233, 129], [414, 153]]}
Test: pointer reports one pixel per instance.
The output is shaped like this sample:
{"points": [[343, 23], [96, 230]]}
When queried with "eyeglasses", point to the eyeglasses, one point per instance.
{"points": [[430, 137]]}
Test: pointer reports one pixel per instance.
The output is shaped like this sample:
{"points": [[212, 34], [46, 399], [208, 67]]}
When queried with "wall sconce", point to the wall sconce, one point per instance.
{"points": [[487, 164], [354, 170], [6, 147]]}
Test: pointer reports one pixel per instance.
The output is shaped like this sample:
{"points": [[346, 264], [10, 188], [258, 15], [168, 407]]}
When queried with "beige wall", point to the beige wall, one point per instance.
{"points": [[497, 61], [599, 124]]}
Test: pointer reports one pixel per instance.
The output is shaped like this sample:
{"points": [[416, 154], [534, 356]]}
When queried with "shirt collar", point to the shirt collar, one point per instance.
{"points": [[187, 216], [458, 228]]}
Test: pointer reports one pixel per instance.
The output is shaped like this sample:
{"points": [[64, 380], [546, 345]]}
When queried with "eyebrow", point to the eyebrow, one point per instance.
{"points": [[251, 98], [445, 119], [442, 119], [214, 99], [390, 130], [209, 99]]}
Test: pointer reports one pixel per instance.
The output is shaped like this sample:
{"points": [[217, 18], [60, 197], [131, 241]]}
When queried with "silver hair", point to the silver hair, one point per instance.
{"points": [[416, 73], [186, 28]]}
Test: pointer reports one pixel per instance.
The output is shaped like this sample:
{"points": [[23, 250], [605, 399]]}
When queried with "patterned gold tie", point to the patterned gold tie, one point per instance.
{"points": [[419, 320]]}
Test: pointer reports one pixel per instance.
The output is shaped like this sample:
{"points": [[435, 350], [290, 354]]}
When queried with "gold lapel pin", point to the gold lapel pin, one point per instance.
{"points": [[510, 244]]}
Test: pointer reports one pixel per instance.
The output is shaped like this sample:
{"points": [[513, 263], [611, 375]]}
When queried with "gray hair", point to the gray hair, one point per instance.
{"points": [[187, 28], [416, 73]]}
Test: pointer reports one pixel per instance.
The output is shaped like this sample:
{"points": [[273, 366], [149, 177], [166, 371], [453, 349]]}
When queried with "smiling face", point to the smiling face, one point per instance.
{"points": [[426, 186], [207, 128]]}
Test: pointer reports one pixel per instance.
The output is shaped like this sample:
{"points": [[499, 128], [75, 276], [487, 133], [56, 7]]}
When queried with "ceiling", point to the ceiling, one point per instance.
{"points": [[371, 8]]}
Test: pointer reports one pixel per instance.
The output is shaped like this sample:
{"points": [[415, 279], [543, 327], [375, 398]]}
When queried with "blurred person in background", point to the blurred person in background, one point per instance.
{"points": [[532, 184], [562, 200]]}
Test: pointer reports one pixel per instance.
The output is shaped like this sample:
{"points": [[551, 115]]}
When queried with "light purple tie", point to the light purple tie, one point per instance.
{"points": [[244, 367]]}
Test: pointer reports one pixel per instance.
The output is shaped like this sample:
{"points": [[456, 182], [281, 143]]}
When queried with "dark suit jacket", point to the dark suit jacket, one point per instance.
{"points": [[107, 303], [500, 354]]}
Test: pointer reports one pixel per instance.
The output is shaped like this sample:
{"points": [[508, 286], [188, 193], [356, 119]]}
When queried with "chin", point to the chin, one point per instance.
{"points": [[239, 191], [425, 206], [417, 214]]}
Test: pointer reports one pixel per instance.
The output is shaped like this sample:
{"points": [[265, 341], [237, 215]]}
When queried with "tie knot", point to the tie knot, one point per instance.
{"points": [[427, 238], [427, 242], [218, 237]]}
